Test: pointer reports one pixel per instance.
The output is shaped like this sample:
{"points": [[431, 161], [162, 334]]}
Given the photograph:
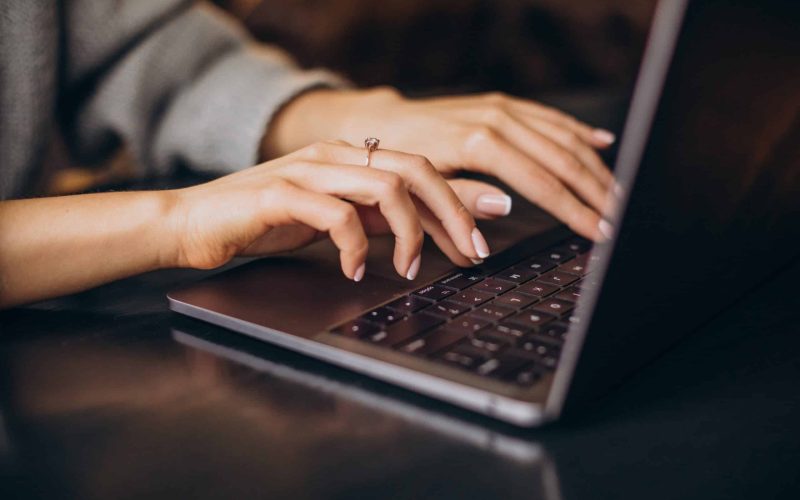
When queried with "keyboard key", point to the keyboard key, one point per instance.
{"points": [[527, 375], [432, 342], [472, 297], [558, 255], [409, 327], [508, 366], [578, 245], [494, 286], [487, 344], [570, 295], [434, 292], [460, 281], [465, 355], [537, 289], [538, 265], [447, 309], [557, 331], [574, 267], [514, 300], [511, 329], [488, 367], [383, 316], [530, 319], [517, 274], [468, 324], [557, 278], [547, 362], [555, 307], [495, 335], [542, 349], [492, 311], [357, 328], [408, 305]]}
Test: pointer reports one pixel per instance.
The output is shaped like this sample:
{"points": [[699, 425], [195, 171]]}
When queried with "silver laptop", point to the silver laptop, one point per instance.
{"points": [[709, 163]]}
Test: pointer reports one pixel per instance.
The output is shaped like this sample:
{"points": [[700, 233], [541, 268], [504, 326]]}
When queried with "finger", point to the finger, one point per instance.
{"points": [[425, 182], [483, 200], [558, 160], [285, 203], [369, 187], [439, 236], [571, 141], [597, 137], [487, 150]]}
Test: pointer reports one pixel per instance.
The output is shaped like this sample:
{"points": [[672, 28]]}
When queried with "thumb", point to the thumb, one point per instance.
{"points": [[483, 200]]}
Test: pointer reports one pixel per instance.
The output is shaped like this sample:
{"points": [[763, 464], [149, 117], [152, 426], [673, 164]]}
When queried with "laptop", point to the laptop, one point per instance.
{"points": [[709, 165]]}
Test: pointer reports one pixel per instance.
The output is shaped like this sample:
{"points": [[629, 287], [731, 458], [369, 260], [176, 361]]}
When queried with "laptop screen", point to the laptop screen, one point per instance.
{"points": [[715, 205]]}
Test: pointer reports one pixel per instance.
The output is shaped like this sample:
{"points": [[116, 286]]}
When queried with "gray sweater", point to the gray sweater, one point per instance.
{"points": [[175, 80]]}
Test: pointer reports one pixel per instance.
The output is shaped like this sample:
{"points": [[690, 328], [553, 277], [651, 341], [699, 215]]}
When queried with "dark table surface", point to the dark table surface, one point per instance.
{"points": [[107, 394]]}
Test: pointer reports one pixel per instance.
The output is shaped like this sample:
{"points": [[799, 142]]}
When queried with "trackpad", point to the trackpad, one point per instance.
{"points": [[301, 295]]}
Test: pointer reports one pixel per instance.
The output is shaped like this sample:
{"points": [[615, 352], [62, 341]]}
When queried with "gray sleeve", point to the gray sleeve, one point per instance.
{"points": [[183, 86]]}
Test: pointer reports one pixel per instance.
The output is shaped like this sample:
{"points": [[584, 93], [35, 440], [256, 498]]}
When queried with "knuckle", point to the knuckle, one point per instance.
{"points": [[344, 215], [361, 248], [422, 164], [391, 184], [483, 134], [495, 115], [276, 185], [495, 97], [316, 150]]}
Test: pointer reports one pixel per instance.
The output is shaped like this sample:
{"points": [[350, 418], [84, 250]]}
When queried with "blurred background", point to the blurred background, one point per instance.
{"points": [[578, 55], [430, 46]]}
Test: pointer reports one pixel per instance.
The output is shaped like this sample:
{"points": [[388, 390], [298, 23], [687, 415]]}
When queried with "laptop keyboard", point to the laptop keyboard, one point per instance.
{"points": [[507, 323]]}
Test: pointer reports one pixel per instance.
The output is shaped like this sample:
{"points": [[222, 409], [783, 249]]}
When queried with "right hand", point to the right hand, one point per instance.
{"points": [[291, 201]]}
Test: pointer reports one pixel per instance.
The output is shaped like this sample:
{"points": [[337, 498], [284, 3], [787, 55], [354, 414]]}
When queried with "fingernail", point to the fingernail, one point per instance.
{"points": [[414, 269], [605, 136], [479, 242], [494, 204], [606, 229], [476, 262], [359, 273]]}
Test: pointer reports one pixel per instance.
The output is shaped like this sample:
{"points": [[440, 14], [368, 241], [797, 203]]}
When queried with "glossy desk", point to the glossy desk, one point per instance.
{"points": [[109, 395]]}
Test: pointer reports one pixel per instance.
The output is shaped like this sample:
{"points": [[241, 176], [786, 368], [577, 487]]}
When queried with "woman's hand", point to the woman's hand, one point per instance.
{"points": [[326, 188], [64, 244], [547, 156]]}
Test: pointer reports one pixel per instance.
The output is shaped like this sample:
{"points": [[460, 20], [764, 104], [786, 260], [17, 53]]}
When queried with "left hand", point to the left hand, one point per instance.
{"points": [[546, 155]]}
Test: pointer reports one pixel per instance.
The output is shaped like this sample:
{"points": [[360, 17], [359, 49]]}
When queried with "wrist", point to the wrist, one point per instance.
{"points": [[168, 231], [320, 115], [292, 127]]}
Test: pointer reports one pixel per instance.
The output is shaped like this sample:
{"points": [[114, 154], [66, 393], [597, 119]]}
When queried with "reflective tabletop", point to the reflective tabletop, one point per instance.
{"points": [[107, 394]]}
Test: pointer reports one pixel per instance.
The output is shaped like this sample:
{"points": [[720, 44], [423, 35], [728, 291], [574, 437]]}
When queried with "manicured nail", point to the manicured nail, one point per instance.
{"points": [[479, 242], [359, 273], [606, 229], [414, 269], [605, 136], [476, 262], [494, 204]]}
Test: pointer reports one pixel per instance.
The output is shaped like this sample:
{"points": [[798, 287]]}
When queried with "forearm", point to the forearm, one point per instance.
{"points": [[56, 246]]}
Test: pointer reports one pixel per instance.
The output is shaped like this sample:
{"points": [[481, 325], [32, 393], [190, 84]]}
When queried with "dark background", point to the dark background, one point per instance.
{"points": [[423, 46]]}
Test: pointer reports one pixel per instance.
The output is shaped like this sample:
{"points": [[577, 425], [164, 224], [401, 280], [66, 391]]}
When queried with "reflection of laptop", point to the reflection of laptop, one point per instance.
{"points": [[540, 470], [710, 163]]}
